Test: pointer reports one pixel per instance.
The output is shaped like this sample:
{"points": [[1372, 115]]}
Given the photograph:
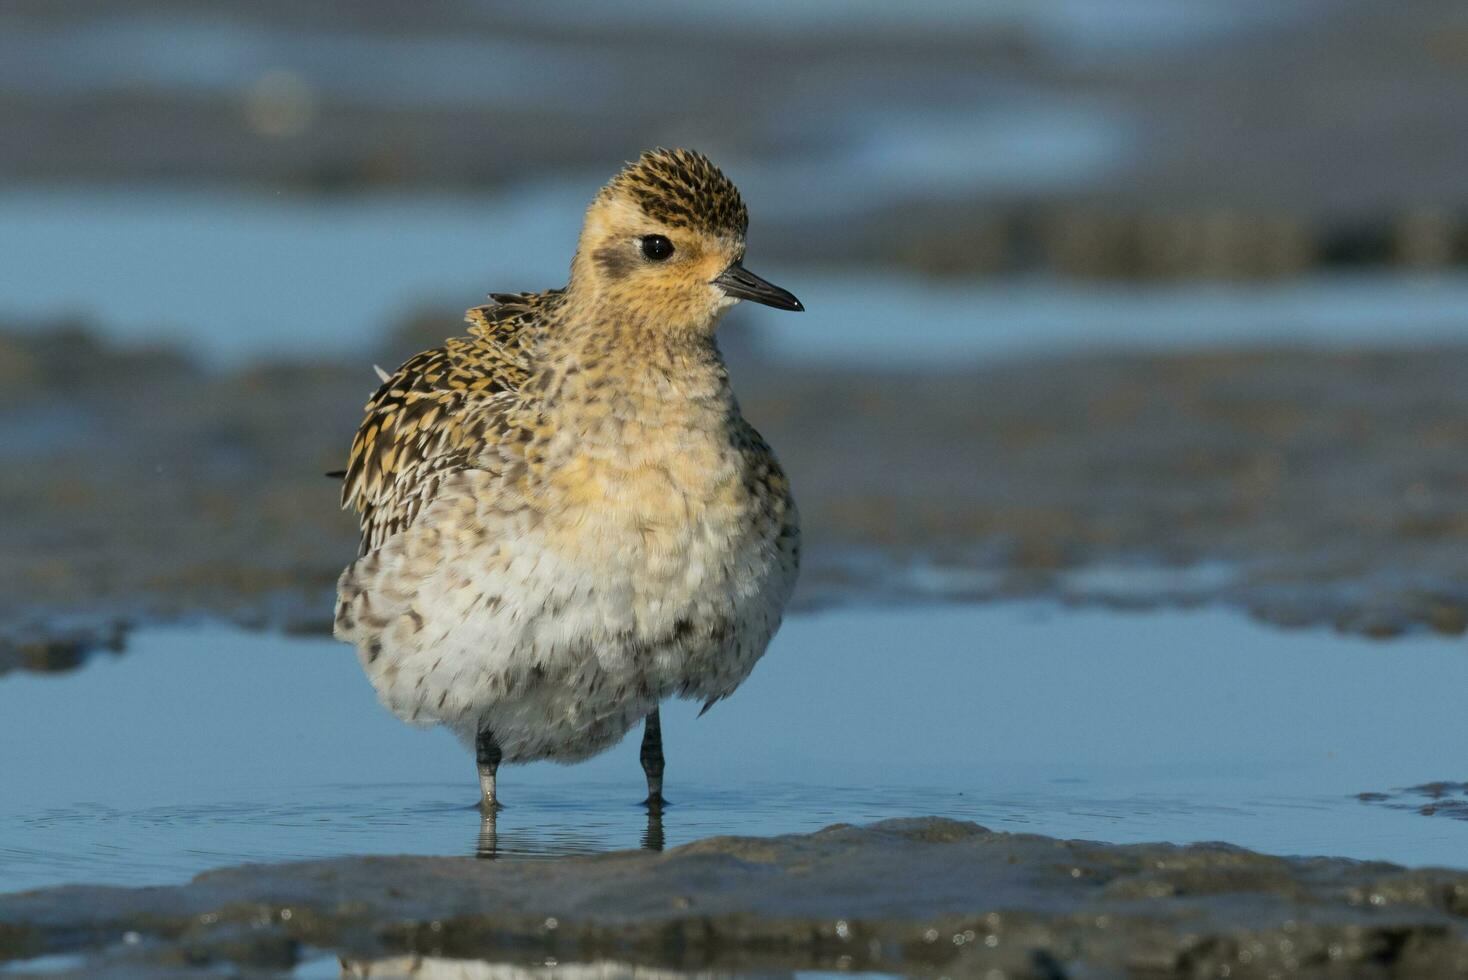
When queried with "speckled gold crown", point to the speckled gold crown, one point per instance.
{"points": [[683, 189]]}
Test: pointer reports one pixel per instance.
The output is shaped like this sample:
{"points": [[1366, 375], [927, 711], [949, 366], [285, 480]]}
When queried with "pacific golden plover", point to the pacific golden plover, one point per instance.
{"points": [[565, 518]]}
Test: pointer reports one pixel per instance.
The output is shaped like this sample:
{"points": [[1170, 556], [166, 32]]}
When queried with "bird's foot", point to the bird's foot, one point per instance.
{"points": [[655, 801]]}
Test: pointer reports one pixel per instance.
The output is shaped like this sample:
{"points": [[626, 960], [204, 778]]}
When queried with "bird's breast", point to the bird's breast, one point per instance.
{"points": [[663, 517], [658, 496]]}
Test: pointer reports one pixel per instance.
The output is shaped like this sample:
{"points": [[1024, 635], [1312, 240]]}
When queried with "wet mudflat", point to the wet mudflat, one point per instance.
{"points": [[208, 748], [909, 896], [1304, 486]]}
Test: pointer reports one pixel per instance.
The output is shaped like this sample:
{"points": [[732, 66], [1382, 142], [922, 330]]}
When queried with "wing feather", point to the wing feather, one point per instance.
{"points": [[443, 411]]}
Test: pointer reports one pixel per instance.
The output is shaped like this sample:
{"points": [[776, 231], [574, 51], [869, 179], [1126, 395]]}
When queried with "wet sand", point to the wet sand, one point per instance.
{"points": [[922, 896], [1305, 487]]}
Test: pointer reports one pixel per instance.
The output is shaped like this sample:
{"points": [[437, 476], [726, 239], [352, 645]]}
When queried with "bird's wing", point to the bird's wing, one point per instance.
{"points": [[443, 411]]}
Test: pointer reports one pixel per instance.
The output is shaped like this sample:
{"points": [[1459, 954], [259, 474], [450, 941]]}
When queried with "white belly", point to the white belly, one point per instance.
{"points": [[559, 643]]}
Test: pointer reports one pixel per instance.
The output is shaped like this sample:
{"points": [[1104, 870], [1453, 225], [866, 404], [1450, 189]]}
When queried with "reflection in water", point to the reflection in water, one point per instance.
{"points": [[652, 838], [487, 847]]}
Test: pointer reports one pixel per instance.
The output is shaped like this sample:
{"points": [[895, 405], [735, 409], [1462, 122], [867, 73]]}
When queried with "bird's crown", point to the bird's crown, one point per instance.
{"points": [[683, 189]]}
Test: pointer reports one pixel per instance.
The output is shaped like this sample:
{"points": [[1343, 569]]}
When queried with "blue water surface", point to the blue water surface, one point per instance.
{"points": [[236, 276], [207, 746]]}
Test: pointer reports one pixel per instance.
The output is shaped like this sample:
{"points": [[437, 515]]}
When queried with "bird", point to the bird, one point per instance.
{"points": [[565, 518]]}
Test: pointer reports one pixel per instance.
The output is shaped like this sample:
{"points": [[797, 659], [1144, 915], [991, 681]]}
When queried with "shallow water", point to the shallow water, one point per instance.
{"points": [[206, 747], [234, 276]]}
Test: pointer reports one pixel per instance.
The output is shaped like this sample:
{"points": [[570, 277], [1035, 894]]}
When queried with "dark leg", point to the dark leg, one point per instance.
{"points": [[487, 755], [652, 758]]}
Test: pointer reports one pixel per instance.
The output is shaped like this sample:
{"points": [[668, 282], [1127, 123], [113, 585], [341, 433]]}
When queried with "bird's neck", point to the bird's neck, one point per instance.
{"points": [[641, 425], [621, 364]]}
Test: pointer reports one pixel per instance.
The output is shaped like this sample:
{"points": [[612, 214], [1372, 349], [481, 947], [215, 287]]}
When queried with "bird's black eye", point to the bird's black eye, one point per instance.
{"points": [[656, 247]]}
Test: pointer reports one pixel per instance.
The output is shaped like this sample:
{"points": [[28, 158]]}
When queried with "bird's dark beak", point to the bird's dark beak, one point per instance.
{"points": [[739, 282]]}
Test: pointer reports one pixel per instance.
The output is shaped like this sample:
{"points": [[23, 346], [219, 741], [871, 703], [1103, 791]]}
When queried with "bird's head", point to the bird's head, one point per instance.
{"points": [[664, 243]]}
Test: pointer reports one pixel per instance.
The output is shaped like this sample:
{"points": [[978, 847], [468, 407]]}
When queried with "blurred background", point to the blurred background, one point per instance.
{"points": [[1136, 300], [1129, 304]]}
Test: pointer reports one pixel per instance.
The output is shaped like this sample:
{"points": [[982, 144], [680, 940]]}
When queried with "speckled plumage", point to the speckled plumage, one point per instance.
{"points": [[565, 518], [439, 410], [683, 189]]}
